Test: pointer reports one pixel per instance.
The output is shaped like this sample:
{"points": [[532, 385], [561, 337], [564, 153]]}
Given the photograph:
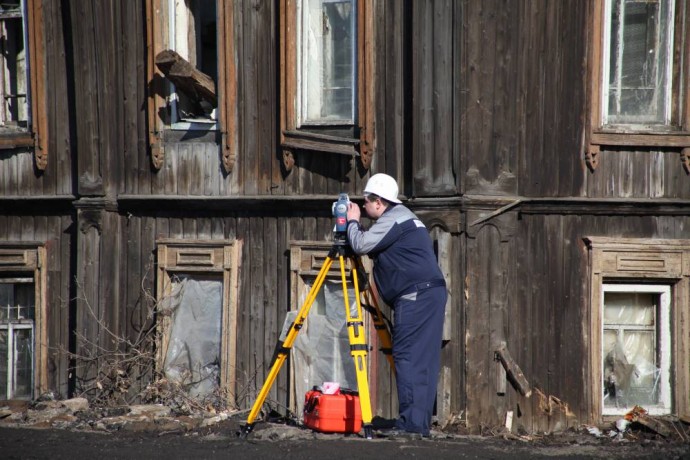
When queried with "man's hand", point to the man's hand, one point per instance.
{"points": [[353, 212]]}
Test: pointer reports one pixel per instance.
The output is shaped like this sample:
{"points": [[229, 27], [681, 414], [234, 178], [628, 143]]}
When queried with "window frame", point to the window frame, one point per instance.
{"points": [[638, 261], [202, 257], [675, 136], [36, 134], [29, 260], [158, 39], [296, 137]]}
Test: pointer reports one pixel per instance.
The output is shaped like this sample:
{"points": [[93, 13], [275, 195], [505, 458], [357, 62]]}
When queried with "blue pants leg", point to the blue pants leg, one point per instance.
{"points": [[417, 331]]}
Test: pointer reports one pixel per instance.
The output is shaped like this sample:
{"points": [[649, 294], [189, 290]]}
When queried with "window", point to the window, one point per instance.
{"points": [[327, 101], [197, 294], [636, 348], [321, 351], [17, 315], [638, 75], [640, 305], [23, 121], [328, 40], [23, 341], [192, 78]]}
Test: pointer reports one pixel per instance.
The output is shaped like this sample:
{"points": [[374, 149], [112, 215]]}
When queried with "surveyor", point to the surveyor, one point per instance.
{"points": [[410, 281]]}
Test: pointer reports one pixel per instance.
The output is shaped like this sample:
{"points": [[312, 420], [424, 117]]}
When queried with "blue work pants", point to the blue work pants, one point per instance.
{"points": [[417, 335]]}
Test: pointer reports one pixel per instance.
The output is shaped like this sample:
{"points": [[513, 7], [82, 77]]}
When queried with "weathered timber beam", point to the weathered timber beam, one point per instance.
{"points": [[513, 371], [187, 78]]}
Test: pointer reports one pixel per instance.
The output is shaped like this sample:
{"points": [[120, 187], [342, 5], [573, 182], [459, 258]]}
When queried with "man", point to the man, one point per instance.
{"points": [[408, 279]]}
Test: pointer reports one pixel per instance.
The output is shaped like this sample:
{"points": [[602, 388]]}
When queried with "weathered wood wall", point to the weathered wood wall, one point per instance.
{"points": [[478, 104]]}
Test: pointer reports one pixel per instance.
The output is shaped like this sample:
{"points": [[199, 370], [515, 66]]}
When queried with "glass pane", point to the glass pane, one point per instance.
{"points": [[629, 308], [329, 42], [3, 363], [639, 67], [24, 299], [23, 362], [13, 79], [6, 300]]}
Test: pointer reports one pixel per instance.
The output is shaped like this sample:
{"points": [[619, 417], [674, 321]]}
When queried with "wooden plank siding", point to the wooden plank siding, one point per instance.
{"points": [[480, 111]]}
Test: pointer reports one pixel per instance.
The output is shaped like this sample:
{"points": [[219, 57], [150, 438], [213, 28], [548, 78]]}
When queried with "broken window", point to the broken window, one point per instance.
{"points": [[17, 316], [193, 37], [197, 315], [636, 348], [192, 73], [637, 72], [638, 85], [328, 45]]}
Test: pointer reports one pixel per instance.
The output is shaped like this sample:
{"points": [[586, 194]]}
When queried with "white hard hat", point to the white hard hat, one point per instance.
{"points": [[384, 186]]}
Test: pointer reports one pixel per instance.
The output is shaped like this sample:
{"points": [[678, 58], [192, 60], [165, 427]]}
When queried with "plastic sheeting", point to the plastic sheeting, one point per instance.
{"points": [[321, 352], [193, 354]]}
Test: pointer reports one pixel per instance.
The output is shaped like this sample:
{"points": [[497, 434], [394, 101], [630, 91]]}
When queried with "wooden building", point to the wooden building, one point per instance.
{"points": [[548, 160]]}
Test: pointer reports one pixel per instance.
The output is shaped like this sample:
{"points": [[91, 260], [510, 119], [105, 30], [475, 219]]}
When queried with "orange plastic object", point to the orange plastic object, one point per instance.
{"points": [[339, 413]]}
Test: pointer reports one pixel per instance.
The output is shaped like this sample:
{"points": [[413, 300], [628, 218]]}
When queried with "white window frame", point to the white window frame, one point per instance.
{"points": [[668, 70], [663, 343], [304, 62], [10, 327]]}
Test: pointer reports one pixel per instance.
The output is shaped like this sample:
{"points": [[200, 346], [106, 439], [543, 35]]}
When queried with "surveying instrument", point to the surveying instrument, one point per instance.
{"points": [[355, 323]]}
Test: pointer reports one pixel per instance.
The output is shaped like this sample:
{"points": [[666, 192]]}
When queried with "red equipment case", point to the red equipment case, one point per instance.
{"points": [[339, 413]]}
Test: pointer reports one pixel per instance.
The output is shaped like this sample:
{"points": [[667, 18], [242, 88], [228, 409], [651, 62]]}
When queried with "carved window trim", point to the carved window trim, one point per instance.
{"points": [[201, 257], [598, 136], [295, 137], [635, 261], [157, 16]]}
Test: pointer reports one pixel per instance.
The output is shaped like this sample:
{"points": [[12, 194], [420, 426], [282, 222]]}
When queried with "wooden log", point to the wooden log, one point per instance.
{"points": [[513, 372], [187, 78]]}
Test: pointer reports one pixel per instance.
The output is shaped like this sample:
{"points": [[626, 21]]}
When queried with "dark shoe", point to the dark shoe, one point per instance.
{"points": [[380, 423]]}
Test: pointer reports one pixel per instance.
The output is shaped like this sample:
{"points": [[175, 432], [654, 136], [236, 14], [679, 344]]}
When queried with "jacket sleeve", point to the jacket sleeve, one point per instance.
{"points": [[377, 238]]}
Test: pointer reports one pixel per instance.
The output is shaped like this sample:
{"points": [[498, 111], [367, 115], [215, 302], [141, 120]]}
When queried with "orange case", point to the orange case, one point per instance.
{"points": [[339, 413]]}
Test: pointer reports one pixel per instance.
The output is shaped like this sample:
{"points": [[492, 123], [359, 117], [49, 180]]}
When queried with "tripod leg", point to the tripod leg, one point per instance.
{"points": [[358, 348], [380, 325], [381, 328], [283, 351]]}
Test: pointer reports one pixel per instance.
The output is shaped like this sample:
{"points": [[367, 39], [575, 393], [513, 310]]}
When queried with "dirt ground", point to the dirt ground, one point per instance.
{"points": [[161, 438]]}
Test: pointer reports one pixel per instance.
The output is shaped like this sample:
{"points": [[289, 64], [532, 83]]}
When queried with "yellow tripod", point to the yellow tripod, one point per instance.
{"points": [[355, 327]]}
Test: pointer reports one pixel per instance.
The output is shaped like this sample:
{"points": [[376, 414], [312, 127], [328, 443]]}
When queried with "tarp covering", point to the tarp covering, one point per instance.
{"points": [[321, 352], [193, 354]]}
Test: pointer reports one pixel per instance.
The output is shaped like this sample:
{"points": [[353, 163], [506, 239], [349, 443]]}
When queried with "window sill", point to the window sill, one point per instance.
{"points": [[641, 139], [14, 140], [303, 140]]}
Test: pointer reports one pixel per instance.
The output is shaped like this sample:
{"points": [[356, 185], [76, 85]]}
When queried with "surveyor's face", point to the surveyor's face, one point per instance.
{"points": [[374, 209]]}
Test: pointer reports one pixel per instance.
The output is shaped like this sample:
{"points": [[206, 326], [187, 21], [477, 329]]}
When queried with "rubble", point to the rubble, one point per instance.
{"points": [[77, 414]]}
